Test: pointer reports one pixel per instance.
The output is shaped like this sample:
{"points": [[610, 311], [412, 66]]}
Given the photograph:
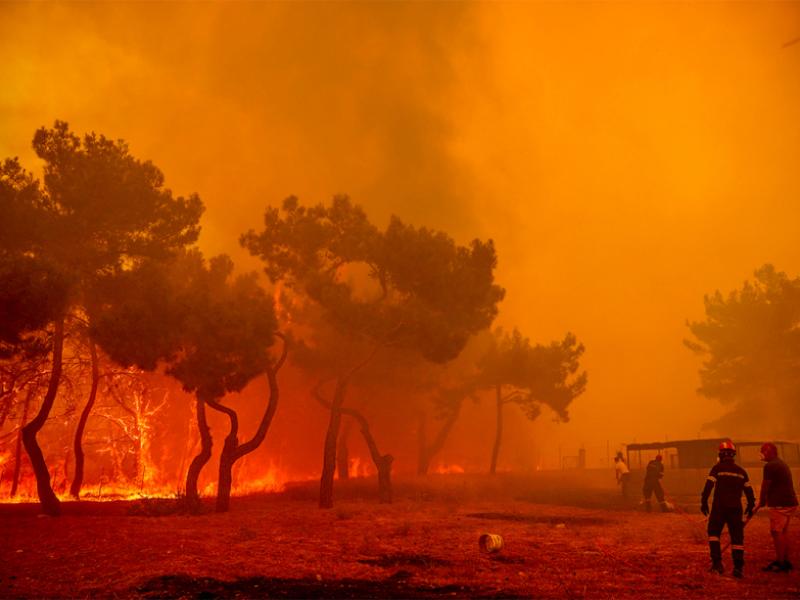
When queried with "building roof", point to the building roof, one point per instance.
{"points": [[704, 441]]}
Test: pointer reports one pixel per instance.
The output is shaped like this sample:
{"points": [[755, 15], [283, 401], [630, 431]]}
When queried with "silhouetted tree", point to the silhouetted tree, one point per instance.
{"points": [[447, 403], [77, 444], [401, 287], [98, 211], [531, 376], [446, 389], [212, 331], [750, 344]]}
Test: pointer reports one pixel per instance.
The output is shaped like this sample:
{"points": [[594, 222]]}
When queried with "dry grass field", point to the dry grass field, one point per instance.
{"points": [[425, 545]]}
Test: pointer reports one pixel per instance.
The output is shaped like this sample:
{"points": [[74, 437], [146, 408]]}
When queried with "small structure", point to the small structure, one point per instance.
{"points": [[699, 454]]}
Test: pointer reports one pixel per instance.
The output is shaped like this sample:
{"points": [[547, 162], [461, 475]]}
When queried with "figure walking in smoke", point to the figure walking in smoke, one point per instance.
{"points": [[623, 473], [730, 480], [652, 484]]}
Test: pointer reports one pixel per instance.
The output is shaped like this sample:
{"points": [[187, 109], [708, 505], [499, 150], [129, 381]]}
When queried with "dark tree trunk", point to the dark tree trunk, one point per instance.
{"points": [[18, 454], [343, 454], [428, 452], [232, 450], [385, 478], [77, 480], [199, 461], [499, 432], [225, 482], [329, 451], [227, 457], [47, 498], [383, 462]]}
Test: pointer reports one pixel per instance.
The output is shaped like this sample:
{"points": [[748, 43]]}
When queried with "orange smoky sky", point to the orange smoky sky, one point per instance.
{"points": [[626, 158]]}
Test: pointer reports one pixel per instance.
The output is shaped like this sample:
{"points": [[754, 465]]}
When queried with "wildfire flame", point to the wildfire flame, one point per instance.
{"points": [[444, 469], [359, 468]]}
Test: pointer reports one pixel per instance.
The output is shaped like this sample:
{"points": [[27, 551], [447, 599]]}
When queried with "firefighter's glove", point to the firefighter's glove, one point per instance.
{"points": [[704, 508], [749, 511]]}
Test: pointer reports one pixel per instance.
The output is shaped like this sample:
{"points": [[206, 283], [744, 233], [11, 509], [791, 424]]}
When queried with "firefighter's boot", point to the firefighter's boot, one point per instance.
{"points": [[716, 555], [738, 562], [648, 506], [664, 506]]}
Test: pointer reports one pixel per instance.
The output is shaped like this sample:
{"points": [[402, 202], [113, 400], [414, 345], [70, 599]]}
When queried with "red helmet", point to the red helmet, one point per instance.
{"points": [[769, 451], [727, 449]]}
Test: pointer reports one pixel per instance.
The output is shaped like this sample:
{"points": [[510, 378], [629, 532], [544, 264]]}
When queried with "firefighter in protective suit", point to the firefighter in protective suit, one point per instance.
{"points": [[728, 480], [652, 484]]}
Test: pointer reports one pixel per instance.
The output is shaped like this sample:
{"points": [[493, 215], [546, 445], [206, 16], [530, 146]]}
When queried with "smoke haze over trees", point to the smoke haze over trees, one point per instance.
{"points": [[750, 344]]}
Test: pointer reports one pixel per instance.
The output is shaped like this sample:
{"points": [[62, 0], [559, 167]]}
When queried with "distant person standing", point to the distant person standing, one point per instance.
{"points": [[777, 493], [623, 473], [730, 480], [652, 483]]}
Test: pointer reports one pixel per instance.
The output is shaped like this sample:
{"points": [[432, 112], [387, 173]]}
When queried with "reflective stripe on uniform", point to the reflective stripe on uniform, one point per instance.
{"points": [[712, 478], [713, 538], [747, 484], [736, 547], [729, 474]]}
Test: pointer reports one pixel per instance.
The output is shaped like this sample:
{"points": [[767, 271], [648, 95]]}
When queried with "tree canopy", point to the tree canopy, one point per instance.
{"points": [[534, 376], [401, 286], [750, 345], [211, 330], [98, 211]]}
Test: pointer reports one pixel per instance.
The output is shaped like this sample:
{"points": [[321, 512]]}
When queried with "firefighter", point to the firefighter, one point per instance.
{"points": [[623, 473], [777, 493], [730, 480], [652, 483]]}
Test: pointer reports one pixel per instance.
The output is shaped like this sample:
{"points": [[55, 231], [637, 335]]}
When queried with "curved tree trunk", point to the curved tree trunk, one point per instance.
{"points": [[227, 457], [77, 480], [47, 498], [199, 461], [329, 451], [232, 450], [225, 482], [332, 434], [383, 462], [18, 456], [499, 432], [343, 454], [427, 453]]}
